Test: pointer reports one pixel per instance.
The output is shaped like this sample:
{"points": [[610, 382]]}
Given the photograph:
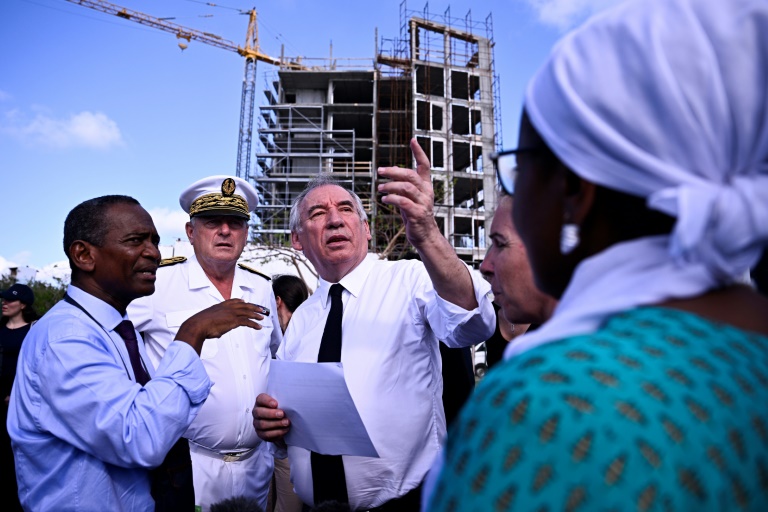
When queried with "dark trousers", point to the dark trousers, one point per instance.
{"points": [[409, 502], [172, 482], [10, 495]]}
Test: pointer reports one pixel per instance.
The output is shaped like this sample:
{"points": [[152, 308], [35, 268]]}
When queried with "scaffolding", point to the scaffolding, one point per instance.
{"points": [[435, 81]]}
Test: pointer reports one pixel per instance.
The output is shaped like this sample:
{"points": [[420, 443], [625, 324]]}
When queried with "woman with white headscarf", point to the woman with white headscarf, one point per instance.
{"points": [[642, 199]]}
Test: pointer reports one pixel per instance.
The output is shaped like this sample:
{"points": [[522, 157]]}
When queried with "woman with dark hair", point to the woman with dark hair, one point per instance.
{"points": [[290, 292], [642, 200], [18, 314]]}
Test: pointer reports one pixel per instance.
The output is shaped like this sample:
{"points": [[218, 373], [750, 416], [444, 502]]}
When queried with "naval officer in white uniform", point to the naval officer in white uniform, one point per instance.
{"points": [[228, 458]]}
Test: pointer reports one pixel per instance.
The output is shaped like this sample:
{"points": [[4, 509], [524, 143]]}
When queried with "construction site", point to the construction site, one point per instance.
{"points": [[434, 81]]}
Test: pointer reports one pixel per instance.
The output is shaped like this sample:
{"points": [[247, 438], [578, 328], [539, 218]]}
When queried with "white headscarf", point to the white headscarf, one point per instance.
{"points": [[667, 100]]}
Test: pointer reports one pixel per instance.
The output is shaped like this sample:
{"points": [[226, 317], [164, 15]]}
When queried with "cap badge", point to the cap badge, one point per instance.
{"points": [[228, 187]]}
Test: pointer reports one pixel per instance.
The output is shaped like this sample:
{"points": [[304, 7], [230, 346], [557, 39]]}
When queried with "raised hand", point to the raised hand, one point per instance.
{"points": [[215, 321], [412, 193]]}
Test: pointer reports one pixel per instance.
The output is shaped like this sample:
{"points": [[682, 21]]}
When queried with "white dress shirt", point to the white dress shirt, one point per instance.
{"points": [[391, 325], [237, 363]]}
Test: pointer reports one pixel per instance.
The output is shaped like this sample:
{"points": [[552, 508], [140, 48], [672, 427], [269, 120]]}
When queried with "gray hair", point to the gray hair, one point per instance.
{"points": [[320, 180]]}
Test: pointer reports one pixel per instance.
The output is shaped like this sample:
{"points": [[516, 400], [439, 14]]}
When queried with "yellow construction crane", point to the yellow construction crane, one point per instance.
{"points": [[250, 51]]}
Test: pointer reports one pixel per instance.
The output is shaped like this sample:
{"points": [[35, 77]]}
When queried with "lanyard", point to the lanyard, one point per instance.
{"points": [[69, 300]]}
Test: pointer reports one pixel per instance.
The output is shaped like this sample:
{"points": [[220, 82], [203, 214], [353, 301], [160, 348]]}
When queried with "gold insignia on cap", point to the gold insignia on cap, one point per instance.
{"points": [[213, 203], [228, 187]]}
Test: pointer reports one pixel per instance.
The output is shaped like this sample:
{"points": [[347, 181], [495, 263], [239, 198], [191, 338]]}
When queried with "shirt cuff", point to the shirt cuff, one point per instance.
{"points": [[456, 316]]}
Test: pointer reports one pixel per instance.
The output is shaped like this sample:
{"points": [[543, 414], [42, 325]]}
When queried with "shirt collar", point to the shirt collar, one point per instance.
{"points": [[352, 282], [102, 312], [198, 279]]}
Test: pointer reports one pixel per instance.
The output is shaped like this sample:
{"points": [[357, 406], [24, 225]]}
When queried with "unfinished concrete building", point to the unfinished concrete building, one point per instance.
{"points": [[435, 82]]}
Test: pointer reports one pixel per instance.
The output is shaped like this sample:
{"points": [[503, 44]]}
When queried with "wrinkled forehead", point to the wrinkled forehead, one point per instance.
{"points": [[502, 217], [325, 196]]}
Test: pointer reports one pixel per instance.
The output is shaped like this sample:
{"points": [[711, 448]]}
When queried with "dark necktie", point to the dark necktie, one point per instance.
{"points": [[172, 481], [328, 479], [128, 333]]}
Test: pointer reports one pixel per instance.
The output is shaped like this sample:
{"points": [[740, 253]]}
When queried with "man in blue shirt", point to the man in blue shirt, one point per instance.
{"points": [[85, 433]]}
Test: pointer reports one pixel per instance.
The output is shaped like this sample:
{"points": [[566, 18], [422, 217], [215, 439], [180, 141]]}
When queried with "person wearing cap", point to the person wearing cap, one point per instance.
{"points": [[18, 315], [228, 458], [94, 426]]}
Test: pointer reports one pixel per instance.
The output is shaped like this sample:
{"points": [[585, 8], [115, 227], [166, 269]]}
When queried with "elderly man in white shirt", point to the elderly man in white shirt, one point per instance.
{"points": [[394, 314], [228, 458]]}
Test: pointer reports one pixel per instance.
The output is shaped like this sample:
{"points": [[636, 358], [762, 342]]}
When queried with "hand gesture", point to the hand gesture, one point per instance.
{"points": [[215, 321], [412, 193]]}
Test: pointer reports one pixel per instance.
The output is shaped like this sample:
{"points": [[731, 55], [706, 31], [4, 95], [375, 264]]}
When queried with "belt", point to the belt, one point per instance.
{"points": [[233, 456]]}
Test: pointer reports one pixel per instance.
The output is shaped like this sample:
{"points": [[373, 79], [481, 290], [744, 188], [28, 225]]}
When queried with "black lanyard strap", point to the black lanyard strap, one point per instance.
{"points": [[69, 300]]}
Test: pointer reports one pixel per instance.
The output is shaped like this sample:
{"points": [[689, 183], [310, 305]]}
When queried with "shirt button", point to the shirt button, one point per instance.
{"points": [[243, 377], [247, 410]]}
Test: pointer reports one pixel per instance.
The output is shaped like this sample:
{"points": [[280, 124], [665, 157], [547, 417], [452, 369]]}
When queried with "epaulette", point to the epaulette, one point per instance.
{"points": [[254, 271], [167, 262]]}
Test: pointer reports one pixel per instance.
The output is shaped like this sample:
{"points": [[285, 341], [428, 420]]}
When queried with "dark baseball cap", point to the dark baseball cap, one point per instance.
{"points": [[20, 292]]}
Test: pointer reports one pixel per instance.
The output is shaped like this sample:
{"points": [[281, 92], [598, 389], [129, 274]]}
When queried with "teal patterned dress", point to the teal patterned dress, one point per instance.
{"points": [[658, 410]]}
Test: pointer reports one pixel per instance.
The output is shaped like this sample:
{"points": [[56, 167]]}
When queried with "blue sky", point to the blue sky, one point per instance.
{"points": [[91, 104]]}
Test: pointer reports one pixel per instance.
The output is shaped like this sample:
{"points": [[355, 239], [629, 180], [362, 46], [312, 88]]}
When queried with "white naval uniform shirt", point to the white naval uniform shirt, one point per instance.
{"points": [[391, 325], [237, 363]]}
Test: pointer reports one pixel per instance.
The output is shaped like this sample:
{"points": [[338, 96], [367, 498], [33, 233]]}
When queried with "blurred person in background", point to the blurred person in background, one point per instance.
{"points": [[290, 291], [18, 315]]}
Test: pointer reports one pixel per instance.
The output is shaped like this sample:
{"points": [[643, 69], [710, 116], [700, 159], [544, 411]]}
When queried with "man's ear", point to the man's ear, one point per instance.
{"points": [[190, 230], [295, 241], [83, 255], [368, 231]]}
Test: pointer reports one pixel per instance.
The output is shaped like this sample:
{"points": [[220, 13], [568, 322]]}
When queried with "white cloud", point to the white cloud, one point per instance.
{"points": [[20, 259], [86, 129], [4, 96], [55, 274], [170, 224], [6, 264], [565, 14]]}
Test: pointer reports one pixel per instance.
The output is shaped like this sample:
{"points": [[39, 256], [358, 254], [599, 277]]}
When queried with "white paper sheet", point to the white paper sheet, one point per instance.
{"points": [[323, 416]]}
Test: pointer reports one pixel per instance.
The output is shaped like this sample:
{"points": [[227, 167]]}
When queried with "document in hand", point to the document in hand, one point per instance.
{"points": [[316, 400]]}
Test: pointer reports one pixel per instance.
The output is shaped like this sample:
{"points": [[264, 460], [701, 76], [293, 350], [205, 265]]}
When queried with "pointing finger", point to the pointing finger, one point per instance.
{"points": [[423, 167]]}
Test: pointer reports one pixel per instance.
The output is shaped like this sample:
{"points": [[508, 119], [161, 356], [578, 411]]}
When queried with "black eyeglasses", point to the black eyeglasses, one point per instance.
{"points": [[506, 166]]}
